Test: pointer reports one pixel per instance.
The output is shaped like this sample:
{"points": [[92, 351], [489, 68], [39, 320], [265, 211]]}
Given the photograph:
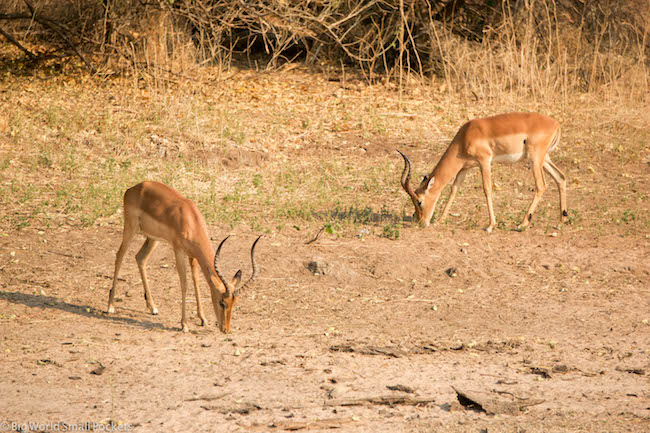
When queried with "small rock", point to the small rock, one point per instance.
{"points": [[317, 266], [99, 370], [451, 272], [402, 388]]}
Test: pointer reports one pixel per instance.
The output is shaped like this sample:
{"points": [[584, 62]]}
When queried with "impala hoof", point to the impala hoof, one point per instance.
{"points": [[185, 329], [489, 229], [154, 311]]}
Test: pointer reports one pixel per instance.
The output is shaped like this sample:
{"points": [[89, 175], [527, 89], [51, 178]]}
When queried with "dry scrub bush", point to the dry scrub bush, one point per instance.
{"points": [[543, 51], [485, 48]]}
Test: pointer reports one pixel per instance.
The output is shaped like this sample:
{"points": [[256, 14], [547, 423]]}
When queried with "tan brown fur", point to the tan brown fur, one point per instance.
{"points": [[529, 136], [163, 214]]}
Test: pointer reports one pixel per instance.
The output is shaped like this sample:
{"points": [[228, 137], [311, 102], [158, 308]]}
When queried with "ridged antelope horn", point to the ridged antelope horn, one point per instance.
{"points": [[252, 278], [406, 177], [229, 288]]}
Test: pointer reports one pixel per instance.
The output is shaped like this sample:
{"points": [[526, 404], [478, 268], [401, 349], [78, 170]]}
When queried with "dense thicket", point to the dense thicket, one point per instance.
{"points": [[378, 37]]}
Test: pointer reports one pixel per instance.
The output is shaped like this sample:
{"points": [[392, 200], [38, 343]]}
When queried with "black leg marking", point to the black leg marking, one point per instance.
{"points": [[564, 213], [530, 216]]}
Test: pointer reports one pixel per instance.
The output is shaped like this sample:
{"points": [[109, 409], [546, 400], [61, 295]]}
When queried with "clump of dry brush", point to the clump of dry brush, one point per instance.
{"points": [[479, 46]]}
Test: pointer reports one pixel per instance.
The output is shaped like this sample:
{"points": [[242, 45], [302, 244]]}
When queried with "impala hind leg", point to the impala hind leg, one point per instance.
{"points": [[560, 180], [460, 177], [194, 266], [486, 174], [540, 187], [142, 257], [181, 266], [130, 229]]}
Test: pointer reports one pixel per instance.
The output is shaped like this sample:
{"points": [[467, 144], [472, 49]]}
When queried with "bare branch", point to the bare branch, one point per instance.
{"points": [[16, 43]]}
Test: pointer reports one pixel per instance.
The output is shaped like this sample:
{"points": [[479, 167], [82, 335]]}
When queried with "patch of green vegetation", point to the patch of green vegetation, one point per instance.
{"points": [[5, 163], [391, 231], [628, 217], [332, 229], [574, 217], [257, 180]]}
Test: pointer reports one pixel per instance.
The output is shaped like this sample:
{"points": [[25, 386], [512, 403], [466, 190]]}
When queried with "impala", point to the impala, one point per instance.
{"points": [[508, 138], [163, 214]]}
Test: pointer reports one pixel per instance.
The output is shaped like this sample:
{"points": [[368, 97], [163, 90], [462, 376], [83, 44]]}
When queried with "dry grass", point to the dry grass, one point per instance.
{"points": [[274, 151], [298, 148]]}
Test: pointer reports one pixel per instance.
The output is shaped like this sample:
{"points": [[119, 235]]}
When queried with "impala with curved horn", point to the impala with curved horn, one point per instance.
{"points": [[507, 137], [163, 214]]}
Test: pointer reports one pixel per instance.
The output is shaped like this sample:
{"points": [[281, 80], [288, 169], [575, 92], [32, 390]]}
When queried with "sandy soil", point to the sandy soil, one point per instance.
{"points": [[551, 330], [547, 329]]}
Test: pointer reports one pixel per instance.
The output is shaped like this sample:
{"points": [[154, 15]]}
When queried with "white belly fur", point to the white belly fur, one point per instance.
{"points": [[509, 157]]}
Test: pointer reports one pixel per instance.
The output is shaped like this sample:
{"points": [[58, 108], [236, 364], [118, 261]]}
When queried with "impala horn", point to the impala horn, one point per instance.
{"points": [[229, 289], [406, 178], [252, 278], [216, 267]]}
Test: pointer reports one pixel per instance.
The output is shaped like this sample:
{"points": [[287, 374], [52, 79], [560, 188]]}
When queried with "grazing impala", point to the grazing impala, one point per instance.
{"points": [[507, 137], [163, 214]]}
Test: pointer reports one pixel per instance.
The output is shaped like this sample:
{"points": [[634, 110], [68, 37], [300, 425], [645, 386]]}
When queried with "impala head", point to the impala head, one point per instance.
{"points": [[424, 202], [233, 288]]}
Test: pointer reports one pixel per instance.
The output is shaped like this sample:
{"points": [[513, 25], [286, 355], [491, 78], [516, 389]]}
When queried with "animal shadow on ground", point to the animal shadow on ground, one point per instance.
{"points": [[363, 215], [42, 301]]}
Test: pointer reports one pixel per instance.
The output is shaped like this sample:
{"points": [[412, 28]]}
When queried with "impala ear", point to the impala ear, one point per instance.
{"points": [[430, 183], [236, 279]]}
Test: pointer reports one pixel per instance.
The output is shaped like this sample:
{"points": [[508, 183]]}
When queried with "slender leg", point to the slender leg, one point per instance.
{"points": [[194, 266], [540, 187], [142, 257], [181, 267], [130, 229], [460, 177], [486, 173], [560, 180]]}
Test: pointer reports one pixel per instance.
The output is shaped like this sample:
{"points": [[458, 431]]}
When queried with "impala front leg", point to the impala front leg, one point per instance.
{"points": [[194, 266], [130, 228], [460, 177], [181, 266]]}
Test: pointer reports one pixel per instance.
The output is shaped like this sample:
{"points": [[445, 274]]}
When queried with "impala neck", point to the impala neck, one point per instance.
{"points": [[205, 256], [443, 173]]}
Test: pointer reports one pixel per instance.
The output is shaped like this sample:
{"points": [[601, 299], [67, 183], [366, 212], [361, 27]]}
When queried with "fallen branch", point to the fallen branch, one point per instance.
{"points": [[316, 425], [431, 301], [50, 24], [16, 43], [315, 238], [369, 350], [390, 400], [238, 408], [209, 398]]}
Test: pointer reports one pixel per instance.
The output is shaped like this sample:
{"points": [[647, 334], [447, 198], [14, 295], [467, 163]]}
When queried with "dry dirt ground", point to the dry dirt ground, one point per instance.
{"points": [[547, 330], [550, 330]]}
